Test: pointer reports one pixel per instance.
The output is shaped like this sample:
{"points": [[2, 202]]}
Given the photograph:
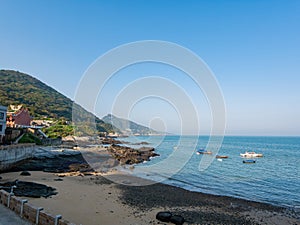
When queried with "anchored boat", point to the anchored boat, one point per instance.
{"points": [[251, 155], [203, 151], [249, 161]]}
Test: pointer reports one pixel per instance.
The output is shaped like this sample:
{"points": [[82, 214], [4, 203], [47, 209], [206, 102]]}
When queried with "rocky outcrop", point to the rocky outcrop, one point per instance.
{"points": [[111, 141], [54, 161], [28, 189], [127, 155], [141, 143]]}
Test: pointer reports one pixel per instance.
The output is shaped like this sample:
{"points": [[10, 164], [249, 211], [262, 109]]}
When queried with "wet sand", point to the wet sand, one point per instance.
{"points": [[93, 200]]}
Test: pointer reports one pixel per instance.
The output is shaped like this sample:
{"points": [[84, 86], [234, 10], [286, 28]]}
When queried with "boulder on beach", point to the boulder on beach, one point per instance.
{"points": [[25, 173], [177, 219], [164, 216], [167, 216]]}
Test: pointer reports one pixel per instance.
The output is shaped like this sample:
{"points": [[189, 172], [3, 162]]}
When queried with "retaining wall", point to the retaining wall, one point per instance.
{"points": [[11, 154], [33, 214]]}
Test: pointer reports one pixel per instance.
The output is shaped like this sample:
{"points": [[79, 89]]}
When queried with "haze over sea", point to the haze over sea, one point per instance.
{"points": [[273, 179]]}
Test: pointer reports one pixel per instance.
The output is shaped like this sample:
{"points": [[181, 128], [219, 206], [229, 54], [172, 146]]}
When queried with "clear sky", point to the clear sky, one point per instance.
{"points": [[253, 48]]}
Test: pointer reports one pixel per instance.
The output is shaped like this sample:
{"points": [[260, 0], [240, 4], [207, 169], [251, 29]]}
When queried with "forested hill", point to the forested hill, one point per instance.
{"points": [[39, 98], [128, 127]]}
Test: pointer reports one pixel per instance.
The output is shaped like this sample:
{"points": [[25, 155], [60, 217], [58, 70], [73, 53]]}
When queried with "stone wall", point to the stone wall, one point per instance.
{"points": [[52, 141], [11, 154], [11, 134], [33, 214]]}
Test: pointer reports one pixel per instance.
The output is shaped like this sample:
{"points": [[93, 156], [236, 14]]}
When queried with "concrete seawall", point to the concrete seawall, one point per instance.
{"points": [[34, 215], [12, 154]]}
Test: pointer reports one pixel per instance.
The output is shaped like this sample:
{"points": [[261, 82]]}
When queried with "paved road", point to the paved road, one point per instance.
{"points": [[8, 217]]}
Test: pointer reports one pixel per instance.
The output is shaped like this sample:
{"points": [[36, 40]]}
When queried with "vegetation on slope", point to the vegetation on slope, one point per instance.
{"points": [[44, 102], [30, 138], [59, 129]]}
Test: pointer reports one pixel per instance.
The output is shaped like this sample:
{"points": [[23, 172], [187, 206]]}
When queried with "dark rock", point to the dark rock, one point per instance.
{"points": [[25, 173], [81, 167], [127, 155], [111, 141], [141, 143], [88, 174], [0, 178], [54, 164], [177, 219], [55, 170], [58, 179], [164, 216], [29, 189]]}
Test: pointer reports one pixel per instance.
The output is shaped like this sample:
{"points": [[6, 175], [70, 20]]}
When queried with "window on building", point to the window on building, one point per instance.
{"points": [[1, 115], [1, 127]]}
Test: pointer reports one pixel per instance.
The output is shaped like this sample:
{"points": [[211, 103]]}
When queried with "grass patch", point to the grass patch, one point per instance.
{"points": [[30, 138]]}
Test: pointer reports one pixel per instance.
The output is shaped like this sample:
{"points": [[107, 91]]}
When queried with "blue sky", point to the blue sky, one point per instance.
{"points": [[253, 48]]}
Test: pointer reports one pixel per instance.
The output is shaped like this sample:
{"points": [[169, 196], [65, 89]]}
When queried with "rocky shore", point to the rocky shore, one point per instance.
{"points": [[59, 160], [103, 200]]}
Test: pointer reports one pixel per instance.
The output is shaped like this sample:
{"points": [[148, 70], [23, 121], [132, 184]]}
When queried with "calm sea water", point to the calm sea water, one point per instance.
{"points": [[274, 179]]}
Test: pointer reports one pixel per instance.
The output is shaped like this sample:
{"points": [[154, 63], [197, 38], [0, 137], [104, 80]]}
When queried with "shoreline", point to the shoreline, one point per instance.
{"points": [[94, 199], [89, 197]]}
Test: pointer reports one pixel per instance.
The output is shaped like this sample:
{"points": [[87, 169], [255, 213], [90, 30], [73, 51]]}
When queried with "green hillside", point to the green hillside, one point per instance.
{"points": [[42, 100]]}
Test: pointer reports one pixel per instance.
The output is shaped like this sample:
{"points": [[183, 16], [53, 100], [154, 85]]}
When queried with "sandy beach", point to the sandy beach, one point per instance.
{"points": [[93, 200]]}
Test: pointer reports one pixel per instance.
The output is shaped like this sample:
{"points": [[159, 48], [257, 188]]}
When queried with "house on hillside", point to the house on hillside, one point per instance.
{"points": [[42, 123], [18, 116], [2, 122], [15, 108]]}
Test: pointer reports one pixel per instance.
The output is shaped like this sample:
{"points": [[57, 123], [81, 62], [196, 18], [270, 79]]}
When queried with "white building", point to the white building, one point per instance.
{"points": [[3, 110]]}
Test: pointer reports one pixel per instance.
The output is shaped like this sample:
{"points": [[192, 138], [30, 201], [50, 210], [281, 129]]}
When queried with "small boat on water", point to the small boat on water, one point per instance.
{"points": [[221, 156], [251, 155], [202, 151], [249, 161]]}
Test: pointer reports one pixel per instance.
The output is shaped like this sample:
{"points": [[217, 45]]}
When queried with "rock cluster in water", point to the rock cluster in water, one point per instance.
{"points": [[127, 155]]}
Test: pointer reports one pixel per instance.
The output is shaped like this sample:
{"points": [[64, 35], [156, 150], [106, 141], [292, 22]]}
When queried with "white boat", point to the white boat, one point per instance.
{"points": [[251, 155]]}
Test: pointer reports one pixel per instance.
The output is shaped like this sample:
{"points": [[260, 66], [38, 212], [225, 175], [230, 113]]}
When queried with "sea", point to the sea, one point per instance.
{"points": [[273, 179]]}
